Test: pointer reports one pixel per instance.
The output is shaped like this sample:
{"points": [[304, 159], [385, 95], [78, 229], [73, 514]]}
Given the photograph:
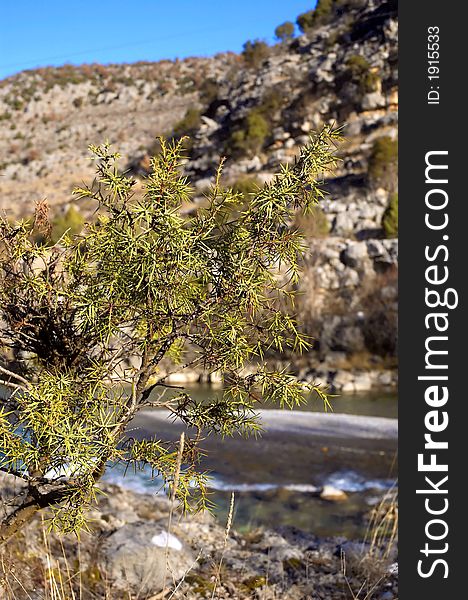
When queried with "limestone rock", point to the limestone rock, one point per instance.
{"points": [[355, 253], [134, 558]]}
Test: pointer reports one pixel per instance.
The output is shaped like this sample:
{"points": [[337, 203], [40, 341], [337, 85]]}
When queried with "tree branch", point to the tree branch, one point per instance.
{"points": [[24, 381], [33, 502], [13, 386]]}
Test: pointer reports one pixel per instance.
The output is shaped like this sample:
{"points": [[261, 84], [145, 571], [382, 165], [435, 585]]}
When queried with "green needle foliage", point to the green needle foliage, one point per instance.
{"points": [[146, 282]]}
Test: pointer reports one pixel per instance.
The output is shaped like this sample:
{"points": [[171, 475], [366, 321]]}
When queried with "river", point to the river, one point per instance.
{"points": [[276, 477]]}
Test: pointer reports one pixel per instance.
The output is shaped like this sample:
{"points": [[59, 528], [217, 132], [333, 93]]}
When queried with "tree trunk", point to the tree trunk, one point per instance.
{"points": [[33, 502], [19, 518]]}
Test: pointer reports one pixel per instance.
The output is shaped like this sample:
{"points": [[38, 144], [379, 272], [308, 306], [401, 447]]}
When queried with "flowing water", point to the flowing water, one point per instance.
{"points": [[276, 478]]}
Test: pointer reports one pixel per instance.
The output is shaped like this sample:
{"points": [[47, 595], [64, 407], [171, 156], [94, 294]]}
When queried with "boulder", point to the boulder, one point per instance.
{"points": [[210, 125], [343, 379], [203, 184], [333, 494], [343, 223], [355, 253], [387, 378], [375, 249], [349, 278], [141, 557], [373, 100], [185, 376], [362, 382]]}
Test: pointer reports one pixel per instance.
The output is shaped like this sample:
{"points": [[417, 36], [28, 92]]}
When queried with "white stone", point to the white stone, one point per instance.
{"points": [[373, 100], [333, 494], [362, 382], [166, 540]]}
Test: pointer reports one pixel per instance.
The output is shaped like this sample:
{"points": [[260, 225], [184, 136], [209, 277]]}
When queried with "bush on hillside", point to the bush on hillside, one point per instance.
{"points": [[325, 11], [250, 138], [359, 71], [188, 124], [390, 218], [254, 53], [209, 90], [317, 16], [383, 163], [380, 324], [285, 31]]}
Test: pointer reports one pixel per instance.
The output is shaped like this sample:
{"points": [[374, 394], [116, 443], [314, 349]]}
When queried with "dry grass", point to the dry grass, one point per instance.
{"points": [[39, 570], [226, 537], [371, 568]]}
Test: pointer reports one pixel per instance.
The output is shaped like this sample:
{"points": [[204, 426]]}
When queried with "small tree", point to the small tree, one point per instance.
{"points": [[189, 124], [143, 281], [317, 16], [358, 71], [390, 217], [250, 138], [383, 163], [254, 53], [285, 31]]}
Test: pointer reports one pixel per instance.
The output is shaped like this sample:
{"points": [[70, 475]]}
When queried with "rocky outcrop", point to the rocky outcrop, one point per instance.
{"points": [[339, 71], [144, 557], [343, 71], [348, 302], [334, 73]]}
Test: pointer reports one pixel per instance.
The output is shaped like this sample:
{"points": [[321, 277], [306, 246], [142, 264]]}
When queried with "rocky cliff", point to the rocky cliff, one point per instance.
{"points": [[257, 109]]}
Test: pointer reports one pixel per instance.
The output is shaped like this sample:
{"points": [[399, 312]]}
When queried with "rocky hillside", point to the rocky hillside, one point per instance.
{"points": [[256, 109]]}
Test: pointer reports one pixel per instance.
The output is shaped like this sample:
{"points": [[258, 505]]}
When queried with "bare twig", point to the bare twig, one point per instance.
{"points": [[15, 376]]}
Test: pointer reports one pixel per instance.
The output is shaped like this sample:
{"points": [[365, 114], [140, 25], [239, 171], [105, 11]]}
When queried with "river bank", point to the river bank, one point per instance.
{"points": [[349, 381], [124, 556], [313, 516]]}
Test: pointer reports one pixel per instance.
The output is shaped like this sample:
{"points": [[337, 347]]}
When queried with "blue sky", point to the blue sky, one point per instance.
{"points": [[54, 32]]}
